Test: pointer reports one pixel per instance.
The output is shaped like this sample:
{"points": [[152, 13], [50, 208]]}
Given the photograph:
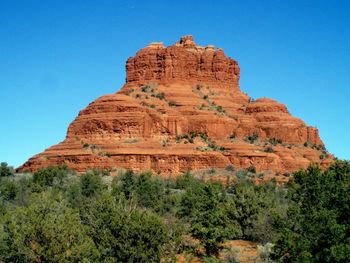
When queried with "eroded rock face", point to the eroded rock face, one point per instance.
{"points": [[184, 61], [182, 109]]}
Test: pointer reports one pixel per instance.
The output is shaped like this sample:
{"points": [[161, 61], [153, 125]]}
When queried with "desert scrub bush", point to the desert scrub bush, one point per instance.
{"points": [[188, 138], [320, 147], [86, 146], [160, 96], [324, 155], [252, 138], [314, 146], [204, 137], [308, 144], [251, 99], [251, 169], [152, 106], [219, 109], [230, 168], [181, 137], [269, 150], [204, 148], [211, 170], [232, 136], [132, 140], [274, 141], [264, 253], [105, 154], [172, 103], [145, 88], [202, 107], [198, 87], [242, 174], [211, 147], [164, 142], [215, 147], [94, 147]]}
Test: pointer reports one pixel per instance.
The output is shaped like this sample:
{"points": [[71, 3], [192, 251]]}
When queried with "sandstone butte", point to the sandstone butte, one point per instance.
{"points": [[180, 109]]}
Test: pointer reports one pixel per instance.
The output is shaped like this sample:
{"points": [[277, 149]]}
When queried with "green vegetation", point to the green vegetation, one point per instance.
{"points": [[151, 89], [315, 146], [172, 103], [55, 215], [318, 225], [132, 140], [198, 89], [160, 96], [268, 150], [230, 168], [232, 136], [87, 146], [252, 138], [189, 138], [164, 142], [147, 88], [5, 170], [275, 141], [324, 155], [105, 154], [207, 208]]}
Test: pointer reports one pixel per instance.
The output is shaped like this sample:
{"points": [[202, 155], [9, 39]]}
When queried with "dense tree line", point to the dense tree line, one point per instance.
{"points": [[57, 216]]}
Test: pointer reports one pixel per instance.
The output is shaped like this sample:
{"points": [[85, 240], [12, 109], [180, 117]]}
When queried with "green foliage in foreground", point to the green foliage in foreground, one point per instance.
{"points": [[211, 214], [47, 230], [318, 225], [57, 216]]}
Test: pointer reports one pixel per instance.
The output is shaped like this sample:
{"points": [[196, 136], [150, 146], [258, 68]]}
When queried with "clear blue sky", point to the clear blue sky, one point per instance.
{"points": [[58, 56]]}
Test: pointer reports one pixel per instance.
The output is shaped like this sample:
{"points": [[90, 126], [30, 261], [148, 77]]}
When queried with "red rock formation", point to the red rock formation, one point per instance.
{"points": [[182, 62], [182, 109]]}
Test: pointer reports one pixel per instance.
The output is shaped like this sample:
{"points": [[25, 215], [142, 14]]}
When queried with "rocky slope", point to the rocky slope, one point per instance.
{"points": [[182, 109]]}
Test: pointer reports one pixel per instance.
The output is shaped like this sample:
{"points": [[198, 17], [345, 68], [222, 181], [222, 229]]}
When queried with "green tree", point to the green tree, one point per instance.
{"points": [[74, 194], [184, 181], [206, 208], [123, 233], [8, 190], [24, 191], [5, 170], [259, 208], [149, 191], [318, 229], [45, 231], [50, 176], [146, 190], [124, 184], [91, 184]]}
